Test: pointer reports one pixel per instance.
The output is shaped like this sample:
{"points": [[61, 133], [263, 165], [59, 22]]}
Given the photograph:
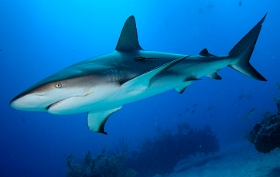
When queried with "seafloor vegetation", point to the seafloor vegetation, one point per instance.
{"points": [[160, 155], [103, 165], [154, 156], [266, 133]]}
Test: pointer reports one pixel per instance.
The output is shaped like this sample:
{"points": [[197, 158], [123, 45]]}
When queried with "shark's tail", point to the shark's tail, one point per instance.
{"points": [[243, 50]]}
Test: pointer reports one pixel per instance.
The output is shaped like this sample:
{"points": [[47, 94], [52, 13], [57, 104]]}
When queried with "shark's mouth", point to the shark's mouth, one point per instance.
{"points": [[59, 102], [56, 103], [66, 99]]}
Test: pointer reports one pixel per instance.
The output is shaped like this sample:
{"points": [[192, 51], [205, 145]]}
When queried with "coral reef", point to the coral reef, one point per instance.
{"points": [[159, 156], [103, 165], [155, 156], [266, 133]]}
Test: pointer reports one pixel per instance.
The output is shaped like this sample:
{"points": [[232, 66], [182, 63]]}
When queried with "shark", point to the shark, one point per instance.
{"points": [[101, 85], [249, 114], [244, 96]]}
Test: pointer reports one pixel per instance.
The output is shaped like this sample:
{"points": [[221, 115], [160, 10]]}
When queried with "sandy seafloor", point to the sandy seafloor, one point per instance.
{"points": [[238, 160]]}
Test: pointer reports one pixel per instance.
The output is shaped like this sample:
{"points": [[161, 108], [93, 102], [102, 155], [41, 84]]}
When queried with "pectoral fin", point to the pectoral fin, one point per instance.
{"points": [[96, 120], [215, 75], [142, 82], [183, 87]]}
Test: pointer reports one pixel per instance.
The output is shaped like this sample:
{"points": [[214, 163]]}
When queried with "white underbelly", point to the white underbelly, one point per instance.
{"points": [[111, 96]]}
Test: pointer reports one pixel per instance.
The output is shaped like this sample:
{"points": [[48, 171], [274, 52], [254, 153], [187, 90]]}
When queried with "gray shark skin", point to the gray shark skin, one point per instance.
{"points": [[102, 85]]}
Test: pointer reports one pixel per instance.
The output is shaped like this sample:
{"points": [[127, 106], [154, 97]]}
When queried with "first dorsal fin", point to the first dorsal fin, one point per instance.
{"points": [[128, 39], [205, 53]]}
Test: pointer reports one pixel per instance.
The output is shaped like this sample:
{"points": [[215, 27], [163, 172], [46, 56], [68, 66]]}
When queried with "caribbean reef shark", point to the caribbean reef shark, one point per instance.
{"points": [[101, 85], [250, 113]]}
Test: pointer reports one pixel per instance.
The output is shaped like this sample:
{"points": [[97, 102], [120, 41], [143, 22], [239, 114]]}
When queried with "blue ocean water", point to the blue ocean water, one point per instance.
{"points": [[38, 38]]}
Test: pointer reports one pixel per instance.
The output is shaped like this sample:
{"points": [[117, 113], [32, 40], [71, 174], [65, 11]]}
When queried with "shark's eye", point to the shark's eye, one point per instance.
{"points": [[58, 85]]}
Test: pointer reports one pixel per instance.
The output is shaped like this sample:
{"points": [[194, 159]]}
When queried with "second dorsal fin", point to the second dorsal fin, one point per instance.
{"points": [[128, 39], [205, 53]]}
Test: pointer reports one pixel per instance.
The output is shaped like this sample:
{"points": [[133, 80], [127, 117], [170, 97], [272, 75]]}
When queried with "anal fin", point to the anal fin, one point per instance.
{"points": [[96, 120]]}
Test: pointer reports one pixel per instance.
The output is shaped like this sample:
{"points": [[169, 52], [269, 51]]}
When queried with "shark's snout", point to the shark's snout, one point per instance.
{"points": [[28, 102]]}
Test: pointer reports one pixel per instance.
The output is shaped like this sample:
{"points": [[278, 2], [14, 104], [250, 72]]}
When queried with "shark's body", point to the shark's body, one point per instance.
{"points": [[244, 96], [250, 113], [102, 85]]}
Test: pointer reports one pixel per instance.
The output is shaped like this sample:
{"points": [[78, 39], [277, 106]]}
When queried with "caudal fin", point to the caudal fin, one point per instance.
{"points": [[243, 50]]}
